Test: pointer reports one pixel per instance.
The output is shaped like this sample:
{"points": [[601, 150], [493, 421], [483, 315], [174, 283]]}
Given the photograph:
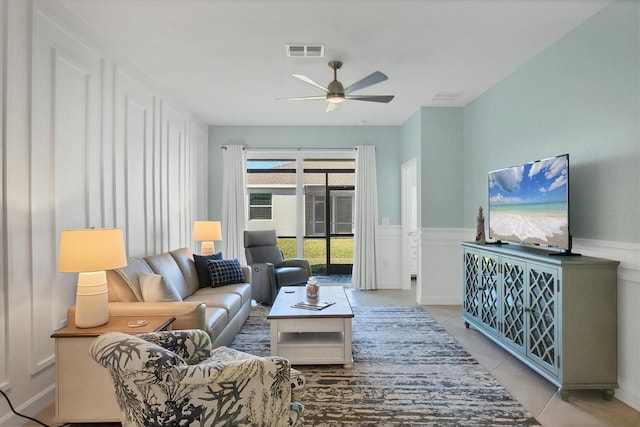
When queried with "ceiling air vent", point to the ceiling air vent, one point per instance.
{"points": [[299, 50], [445, 96]]}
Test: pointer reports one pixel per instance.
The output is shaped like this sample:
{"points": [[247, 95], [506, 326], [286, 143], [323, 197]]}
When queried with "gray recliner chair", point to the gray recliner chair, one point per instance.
{"points": [[269, 270]]}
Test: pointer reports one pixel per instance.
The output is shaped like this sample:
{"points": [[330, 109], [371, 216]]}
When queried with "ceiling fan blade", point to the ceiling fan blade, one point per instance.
{"points": [[301, 98], [332, 106], [371, 79], [306, 79], [372, 98]]}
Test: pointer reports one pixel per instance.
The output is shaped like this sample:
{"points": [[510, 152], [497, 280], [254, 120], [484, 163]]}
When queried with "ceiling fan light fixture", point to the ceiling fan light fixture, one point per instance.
{"points": [[335, 94]]}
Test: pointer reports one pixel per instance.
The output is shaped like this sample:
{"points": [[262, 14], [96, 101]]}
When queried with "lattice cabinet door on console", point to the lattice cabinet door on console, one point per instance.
{"points": [[512, 303], [541, 317], [557, 314]]}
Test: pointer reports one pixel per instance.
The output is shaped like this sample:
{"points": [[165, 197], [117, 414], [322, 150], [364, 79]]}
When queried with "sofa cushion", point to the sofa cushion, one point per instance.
{"points": [[204, 276], [119, 289], [165, 265], [184, 258], [241, 289], [225, 272], [129, 275], [155, 289], [230, 302]]}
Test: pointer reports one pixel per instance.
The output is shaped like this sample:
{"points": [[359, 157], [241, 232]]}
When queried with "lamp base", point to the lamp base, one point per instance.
{"points": [[92, 300], [207, 248]]}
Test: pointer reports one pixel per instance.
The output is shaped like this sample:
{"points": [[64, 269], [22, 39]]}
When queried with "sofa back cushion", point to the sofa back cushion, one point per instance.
{"points": [[155, 288], [165, 265], [123, 283], [184, 259]]}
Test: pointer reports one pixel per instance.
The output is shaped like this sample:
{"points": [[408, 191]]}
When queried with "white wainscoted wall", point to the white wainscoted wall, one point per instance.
{"points": [[439, 266], [389, 257], [87, 141], [628, 310]]}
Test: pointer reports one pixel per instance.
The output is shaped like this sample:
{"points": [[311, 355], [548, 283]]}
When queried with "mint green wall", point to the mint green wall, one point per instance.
{"points": [[411, 148], [580, 96], [387, 139], [411, 137], [441, 167]]}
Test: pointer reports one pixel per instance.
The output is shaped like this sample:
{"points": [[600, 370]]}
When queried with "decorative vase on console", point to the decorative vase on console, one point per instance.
{"points": [[480, 228]]}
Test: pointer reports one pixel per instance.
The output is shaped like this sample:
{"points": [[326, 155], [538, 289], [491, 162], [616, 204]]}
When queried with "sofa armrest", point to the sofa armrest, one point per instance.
{"points": [[188, 314], [247, 273]]}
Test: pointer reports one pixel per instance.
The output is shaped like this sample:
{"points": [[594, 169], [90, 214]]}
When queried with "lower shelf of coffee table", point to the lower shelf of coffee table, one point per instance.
{"points": [[312, 347], [310, 339]]}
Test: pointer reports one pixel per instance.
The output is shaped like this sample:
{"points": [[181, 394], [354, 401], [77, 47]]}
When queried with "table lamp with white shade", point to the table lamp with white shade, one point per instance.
{"points": [[89, 252], [207, 232]]}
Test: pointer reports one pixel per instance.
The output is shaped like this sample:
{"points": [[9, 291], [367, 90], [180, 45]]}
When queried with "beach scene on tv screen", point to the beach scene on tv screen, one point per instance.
{"points": [[528, 203]]}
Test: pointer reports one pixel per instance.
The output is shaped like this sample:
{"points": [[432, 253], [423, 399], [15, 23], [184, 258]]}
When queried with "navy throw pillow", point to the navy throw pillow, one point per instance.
{"points": [[204, 277], [225, 272]]}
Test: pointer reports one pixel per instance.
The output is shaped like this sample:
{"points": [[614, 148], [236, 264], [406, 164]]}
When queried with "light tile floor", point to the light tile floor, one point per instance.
{"points": [[585, 408], [537, 395]]}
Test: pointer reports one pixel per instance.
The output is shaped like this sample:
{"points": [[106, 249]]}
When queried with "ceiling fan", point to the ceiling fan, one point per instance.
{"points": [[335, 93]]}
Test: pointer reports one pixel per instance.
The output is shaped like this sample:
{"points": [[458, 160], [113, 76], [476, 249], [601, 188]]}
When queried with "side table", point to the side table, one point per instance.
{"points": [[84, 391]]}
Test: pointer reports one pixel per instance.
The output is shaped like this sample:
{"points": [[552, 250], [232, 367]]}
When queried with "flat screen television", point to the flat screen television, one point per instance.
{"points": [[529, 204]]}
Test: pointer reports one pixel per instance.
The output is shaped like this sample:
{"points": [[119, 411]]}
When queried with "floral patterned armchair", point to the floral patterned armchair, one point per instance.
{"points": [[174, 378]]}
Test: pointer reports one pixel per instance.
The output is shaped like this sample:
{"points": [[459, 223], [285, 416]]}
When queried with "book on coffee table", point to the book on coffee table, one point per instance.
{"points": [[313, 305]]}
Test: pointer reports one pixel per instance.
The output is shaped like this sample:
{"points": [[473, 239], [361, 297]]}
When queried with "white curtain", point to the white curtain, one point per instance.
{"points": [[365, 272], [233, 202]]}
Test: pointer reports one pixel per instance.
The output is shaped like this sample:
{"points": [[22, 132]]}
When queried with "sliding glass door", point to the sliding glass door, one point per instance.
{"points": [[329, 215], [310, 204]]}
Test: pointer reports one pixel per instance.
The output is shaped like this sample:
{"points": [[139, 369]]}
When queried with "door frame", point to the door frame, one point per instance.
{"points": [[409, 181], [330, 208], [298, 155]]}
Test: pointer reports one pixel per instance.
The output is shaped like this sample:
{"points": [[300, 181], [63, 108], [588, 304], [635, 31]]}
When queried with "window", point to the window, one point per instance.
{"points": [[260, 206]]}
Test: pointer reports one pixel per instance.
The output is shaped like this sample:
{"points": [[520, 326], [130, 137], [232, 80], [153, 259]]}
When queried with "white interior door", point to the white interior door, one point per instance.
{"points": [[410, 232]]}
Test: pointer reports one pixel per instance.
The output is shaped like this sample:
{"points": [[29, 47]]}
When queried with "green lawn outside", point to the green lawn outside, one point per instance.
{"points": [[315, 251]]}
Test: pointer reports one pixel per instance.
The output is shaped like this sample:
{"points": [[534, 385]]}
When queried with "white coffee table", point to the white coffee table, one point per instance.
{"points": [[310, 337]]}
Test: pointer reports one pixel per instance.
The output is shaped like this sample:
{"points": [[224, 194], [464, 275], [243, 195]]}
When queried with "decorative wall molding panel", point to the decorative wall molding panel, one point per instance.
{"points": [[65, 168], [136, 176], [132, 171], [92, 143]]}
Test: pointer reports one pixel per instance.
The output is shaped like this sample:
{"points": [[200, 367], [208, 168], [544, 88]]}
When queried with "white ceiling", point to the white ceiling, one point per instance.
{"points": [[225, 59]]}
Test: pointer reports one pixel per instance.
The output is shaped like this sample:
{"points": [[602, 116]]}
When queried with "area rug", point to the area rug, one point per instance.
{"points": [[408, 371]]}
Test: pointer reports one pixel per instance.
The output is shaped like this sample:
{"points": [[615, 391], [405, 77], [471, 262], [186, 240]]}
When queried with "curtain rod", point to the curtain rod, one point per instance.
{"points": [[224, 147]]}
